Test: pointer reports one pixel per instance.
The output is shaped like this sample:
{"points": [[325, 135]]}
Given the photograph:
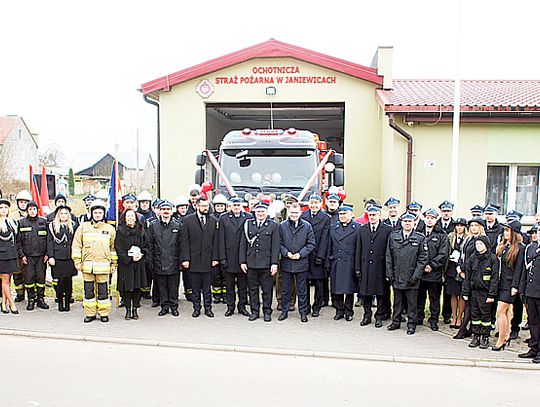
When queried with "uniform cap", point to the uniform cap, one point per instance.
{"points": [[373, 209], [532, 230], [513, 215], [461, 221], [236, 200], [156, 202], [392, 201], [408, 216], [477, 209], [333, 197], [165, 204], [446, 206], [261, 205], [491, 208], [345, 207], [431, 212], [315, 197], [129, 198], [415, 206]]}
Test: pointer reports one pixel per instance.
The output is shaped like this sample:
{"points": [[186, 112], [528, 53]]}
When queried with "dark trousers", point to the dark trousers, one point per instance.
{"points": [[132, 299], [34, 277], [64, 289], [517, 317], [186, 281], [288, 280], [18, 282], [156, 299], [233, 280], [344, 304], [260, 278], [382, 311], [318, 298], [410, 297], [446, 305], [200, 283], [466, 318], [326, 290], [533, 312], [433, 290], [146, 290], [480, 313], [168, 290], [218, 283]]}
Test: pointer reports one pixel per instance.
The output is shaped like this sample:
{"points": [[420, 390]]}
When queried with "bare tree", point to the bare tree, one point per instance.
{"points": [[8, 185], [52, 156]]}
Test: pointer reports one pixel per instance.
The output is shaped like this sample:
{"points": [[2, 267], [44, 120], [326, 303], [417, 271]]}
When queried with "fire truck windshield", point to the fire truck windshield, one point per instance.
{"points": [[269, 167]]}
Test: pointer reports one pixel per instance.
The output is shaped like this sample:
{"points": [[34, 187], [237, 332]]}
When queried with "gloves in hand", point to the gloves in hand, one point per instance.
{"points": [[318, 261], [413, 280], [223, 263]]}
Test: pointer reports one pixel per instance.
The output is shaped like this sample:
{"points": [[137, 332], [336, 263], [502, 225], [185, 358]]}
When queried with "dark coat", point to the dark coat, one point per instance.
{"points": [[334, 218], [449, 228], [509, 276], [371, 255], [481, 274], [259, 247], [131, 274], [33, 236], [163, 247], [406, 258], [451, 266], [59, 244], [299, 239], [342, 258], [493, 234], [321, 229], [397, 226], [420, 227], [9, 249], [529, 283], [231, 229], [199, 243], [438, 248]]}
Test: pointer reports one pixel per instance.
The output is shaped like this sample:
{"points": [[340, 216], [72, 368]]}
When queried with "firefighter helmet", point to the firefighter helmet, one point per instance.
{"points": [[181, 200], [220, 199], [144, 196], [98, 203], [23, 195]]}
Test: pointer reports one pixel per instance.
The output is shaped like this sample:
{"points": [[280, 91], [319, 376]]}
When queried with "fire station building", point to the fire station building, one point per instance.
{"points": [[396, 135]]}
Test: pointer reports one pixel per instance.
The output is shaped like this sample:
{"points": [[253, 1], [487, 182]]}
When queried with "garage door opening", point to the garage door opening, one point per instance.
{"points": [[325, 119]]}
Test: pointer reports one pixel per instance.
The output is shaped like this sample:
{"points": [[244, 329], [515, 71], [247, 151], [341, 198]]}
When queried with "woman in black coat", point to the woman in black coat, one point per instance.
{"points": [[59, 240], [453, 280], [9, 253], [129, 244]]}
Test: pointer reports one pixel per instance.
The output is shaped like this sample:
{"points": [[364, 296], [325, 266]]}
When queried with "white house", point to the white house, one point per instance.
{"points": [[18, 148]]}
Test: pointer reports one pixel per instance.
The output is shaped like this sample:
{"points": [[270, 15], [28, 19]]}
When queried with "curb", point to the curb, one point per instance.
{"points": [[423, 360]]}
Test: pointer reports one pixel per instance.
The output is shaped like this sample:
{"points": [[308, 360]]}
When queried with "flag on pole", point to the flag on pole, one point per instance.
{"points": [[114, 195], [44, 193], [35, 192]]}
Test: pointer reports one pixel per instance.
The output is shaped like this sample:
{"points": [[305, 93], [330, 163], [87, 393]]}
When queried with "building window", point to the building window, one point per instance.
{"points": [[514, 187]]}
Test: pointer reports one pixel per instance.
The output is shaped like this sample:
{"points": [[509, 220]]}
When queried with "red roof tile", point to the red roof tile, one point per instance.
{"points": [[476, 95]]}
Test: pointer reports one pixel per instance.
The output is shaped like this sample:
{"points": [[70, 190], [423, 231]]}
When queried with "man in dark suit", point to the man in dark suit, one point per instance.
{"points": [[231, 227], [320, 222], [259, 256], [447, 222], [199, 243], [371, 255], [297, 243], [392, 205]]}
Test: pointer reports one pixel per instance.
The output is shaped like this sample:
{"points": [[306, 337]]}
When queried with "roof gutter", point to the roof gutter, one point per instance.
{"points": [[158, 166], [410, 140]]}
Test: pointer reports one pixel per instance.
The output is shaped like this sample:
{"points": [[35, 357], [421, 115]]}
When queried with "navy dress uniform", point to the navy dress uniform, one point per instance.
{"points": [[231, 228], [296, 237], [320, 222], [448, 225], [406, 257], [529, 286], [259, 250], [431, 282], [495, 229], [416, 208], [371, 255], [393, 221], [343, 267]]}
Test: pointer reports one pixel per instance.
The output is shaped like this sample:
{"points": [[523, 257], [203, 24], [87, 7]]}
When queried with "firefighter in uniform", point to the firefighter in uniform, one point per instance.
{"points": [[181, 203], [22, 199], [392, 205], [33, 242], [219, 289], [87, 217], [448, 224], [94, 255]]}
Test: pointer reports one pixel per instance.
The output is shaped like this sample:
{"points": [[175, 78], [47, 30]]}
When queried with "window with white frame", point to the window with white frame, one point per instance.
{"points": [[513, 186]]}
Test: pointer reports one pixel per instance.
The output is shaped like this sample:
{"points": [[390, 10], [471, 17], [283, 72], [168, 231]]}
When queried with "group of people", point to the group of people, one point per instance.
{"points": [[223, 251]]}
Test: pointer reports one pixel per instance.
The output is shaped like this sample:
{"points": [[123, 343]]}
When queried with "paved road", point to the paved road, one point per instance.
{"points": [[45, 372], [319, 334]]}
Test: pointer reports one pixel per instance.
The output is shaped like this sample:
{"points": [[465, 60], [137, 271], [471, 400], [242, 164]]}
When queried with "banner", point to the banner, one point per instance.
{"points": [[44, 193], [35, 192], [114, 195]]}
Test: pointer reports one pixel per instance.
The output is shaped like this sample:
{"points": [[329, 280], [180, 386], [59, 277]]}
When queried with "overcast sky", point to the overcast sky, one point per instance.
{"points": [[73, 72]]}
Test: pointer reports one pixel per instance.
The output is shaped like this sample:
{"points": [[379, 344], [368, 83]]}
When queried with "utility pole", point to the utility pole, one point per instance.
{"points": [[138, 181]]}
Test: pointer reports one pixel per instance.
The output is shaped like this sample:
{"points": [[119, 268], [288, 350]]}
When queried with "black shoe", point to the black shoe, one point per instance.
{"points": [[134, 313], [513, 336], [527, 340], [447, 320], [279, 306], [104, 319], [229, 312], [393, 326], [31, 304], [378, 323], [536, 359], [196, 313], [42, 304], [496, 348], [175, 312], [337, 317], [420, 322], [253, 316], [475, 341], [244, 312], [61, 307], [358, 303], [19, 298], [283, 316], [434, 326], [222, 300], [526, 326], [365, 321], [189, 297], [14, 311], [303, 318], [89, 319], [531, 354], [484, 342], [325, 304], [315, 313], [129, 315], [209, 313], [147, 296], [411, 330], [163, 312], [348, 318], [267, 318], [71, 300], [458, 336], [155, 304], [217, 300]]}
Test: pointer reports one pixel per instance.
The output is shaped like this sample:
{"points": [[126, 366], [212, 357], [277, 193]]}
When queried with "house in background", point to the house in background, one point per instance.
{"points": [[18, 149]]}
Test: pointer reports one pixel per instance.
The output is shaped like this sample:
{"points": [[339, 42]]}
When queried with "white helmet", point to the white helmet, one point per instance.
{"points": [[181, 200], [220, 199], [102, 194], [194, 187], [98, 203], [144, 196], [23, 195]]}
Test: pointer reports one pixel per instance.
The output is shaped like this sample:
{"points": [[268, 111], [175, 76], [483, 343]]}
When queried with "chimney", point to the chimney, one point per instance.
{"points": [[383, 61]]}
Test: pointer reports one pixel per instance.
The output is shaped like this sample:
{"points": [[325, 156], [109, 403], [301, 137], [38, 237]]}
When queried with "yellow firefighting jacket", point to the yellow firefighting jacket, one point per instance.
{"points": [[93, 250]]}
